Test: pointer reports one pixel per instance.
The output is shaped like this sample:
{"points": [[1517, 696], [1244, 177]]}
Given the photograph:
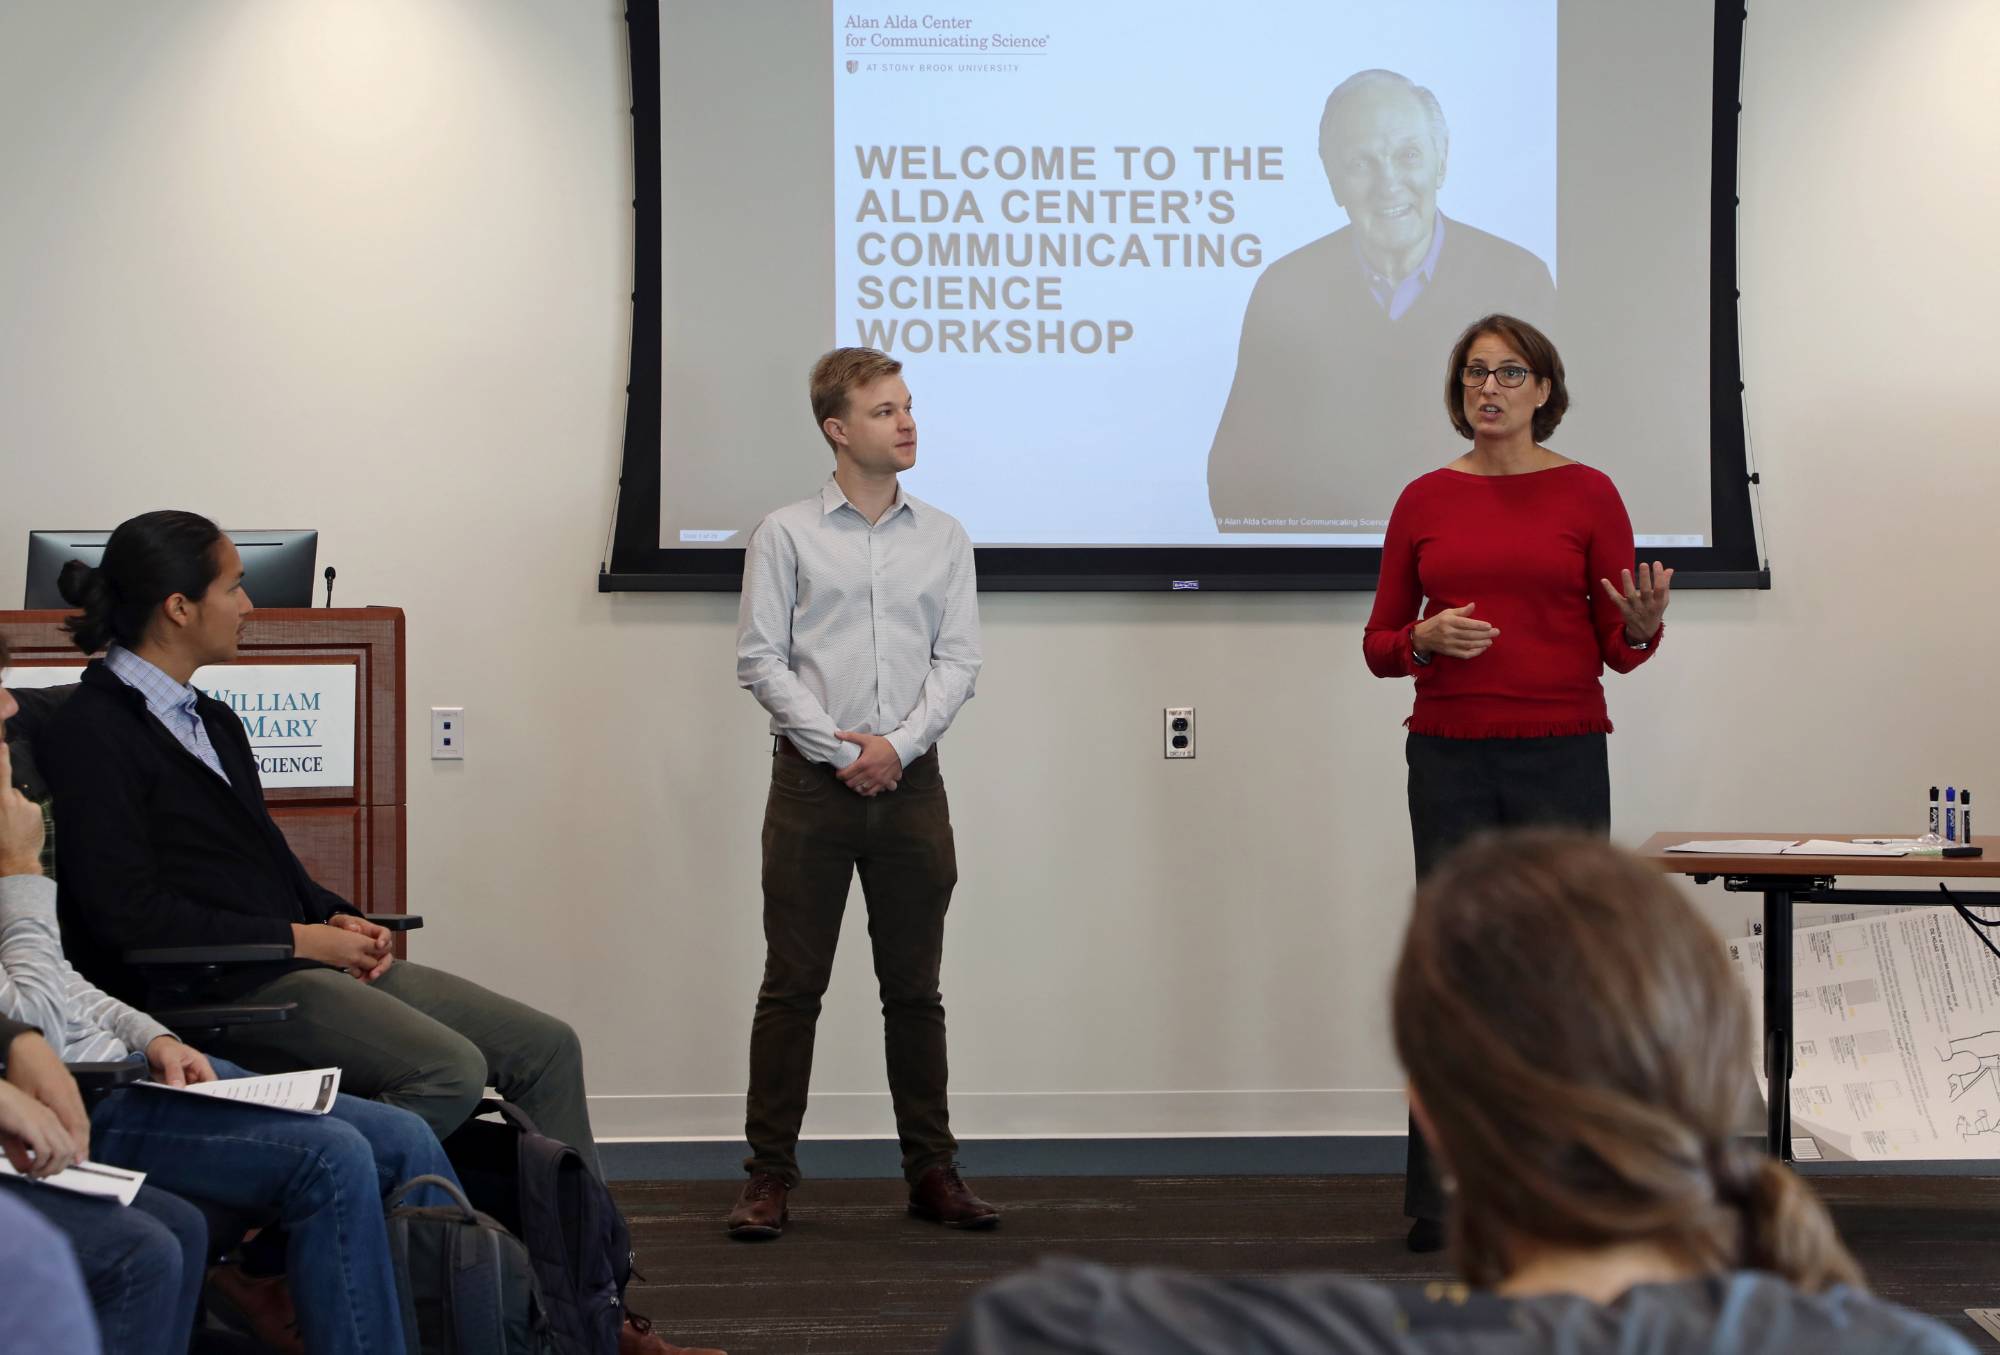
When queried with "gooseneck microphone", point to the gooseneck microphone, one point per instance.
{"points": [[329, 585]]}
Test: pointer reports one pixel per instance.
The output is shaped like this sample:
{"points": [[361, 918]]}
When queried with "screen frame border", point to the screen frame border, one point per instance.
{"points": [[639, 563]]}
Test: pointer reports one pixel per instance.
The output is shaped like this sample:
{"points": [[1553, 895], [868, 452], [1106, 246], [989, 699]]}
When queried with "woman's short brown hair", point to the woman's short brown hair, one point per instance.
{"points": [[1534, 347], [838, 374], [1583, 1051]]}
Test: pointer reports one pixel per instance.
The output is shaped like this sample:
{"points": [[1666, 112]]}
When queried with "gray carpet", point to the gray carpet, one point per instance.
{"points": [[854, 1273]]}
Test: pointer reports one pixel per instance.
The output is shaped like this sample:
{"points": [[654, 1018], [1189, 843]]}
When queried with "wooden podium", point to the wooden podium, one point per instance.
{"points": [[351, 838]]}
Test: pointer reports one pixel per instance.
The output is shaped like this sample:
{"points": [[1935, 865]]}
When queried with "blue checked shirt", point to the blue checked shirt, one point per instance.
{"points": [[867, 627], [1395, 297], [172, 703]]}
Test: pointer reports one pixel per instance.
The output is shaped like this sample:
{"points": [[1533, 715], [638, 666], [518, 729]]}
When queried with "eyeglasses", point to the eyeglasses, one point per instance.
{"points": [[1475, 374]]}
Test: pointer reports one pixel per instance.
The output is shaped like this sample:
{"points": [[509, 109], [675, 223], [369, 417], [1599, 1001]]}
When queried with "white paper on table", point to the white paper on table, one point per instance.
{"points": [[1895, 1037], [1828, 847], [307, 1092], [89, 1178], [1749, 846]]}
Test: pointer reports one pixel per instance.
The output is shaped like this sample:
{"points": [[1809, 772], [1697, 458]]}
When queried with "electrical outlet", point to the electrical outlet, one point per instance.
{"points": [[1179, 732], [447, 733]]}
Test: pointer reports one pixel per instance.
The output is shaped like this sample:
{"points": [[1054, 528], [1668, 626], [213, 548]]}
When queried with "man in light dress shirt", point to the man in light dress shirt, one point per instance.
{"points": [[859, 633]]}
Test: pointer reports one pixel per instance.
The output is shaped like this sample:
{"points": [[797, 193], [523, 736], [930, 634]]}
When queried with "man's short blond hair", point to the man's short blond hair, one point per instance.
{"points": [[837, 375]]}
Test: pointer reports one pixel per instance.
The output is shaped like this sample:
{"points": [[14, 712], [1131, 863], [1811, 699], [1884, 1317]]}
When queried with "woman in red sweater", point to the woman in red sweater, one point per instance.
{"points": [[1496, 595]]}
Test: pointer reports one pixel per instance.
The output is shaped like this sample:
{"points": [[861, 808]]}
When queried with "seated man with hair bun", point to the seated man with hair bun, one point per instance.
{"points": [[323, 1177], [163, 839]]}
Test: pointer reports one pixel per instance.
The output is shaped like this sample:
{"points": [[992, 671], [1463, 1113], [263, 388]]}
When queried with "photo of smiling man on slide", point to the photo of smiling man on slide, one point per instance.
{"points": [[1331, 412]]}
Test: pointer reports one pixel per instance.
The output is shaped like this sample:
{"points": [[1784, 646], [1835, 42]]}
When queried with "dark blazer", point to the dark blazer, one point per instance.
{"points": [[154, 849]]}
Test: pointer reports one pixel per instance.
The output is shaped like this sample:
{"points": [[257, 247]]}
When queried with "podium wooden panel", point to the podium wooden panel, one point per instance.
{"points": [[351, 838]]}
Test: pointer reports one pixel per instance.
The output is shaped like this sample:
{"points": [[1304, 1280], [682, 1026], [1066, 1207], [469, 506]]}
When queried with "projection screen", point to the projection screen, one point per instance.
{"points": [[1175, 286]]}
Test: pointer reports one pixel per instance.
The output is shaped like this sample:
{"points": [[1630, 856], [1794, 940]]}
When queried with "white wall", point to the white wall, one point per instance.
{"points": [[363, 266]]}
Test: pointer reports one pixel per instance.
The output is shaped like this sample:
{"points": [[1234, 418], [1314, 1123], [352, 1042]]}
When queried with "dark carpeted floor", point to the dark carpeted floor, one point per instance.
{"points": [[854, 1273]]}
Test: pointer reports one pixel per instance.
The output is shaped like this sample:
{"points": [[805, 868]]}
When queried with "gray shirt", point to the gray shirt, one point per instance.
{"points": [[872, 628], [1072, 1308], [39, 986]]}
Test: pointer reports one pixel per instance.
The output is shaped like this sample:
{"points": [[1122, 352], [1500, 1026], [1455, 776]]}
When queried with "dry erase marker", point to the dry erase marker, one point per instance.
{"points": [[1934, 812], [1950, 814], [1965, 816]]}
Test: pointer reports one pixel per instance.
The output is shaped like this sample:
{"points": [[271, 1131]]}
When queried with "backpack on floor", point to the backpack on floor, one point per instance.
{"points": [[577, 1239], [466, 1286]]}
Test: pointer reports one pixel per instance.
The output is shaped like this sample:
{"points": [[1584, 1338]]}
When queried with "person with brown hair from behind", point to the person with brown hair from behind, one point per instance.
{"points": [[1578, 1049]]}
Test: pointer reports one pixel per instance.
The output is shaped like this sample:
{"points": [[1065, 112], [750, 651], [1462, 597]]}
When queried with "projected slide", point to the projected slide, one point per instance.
{"points": [[1178, 274], [1202, 271]]}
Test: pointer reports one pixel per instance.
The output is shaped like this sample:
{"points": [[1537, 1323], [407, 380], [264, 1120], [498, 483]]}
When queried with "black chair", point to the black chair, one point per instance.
{"points": [[93, 1080], [37, 706]]}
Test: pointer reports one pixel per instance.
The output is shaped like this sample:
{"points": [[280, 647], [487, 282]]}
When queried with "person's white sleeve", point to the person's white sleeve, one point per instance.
{"points": [[38, 984], [764, 649], [955, 661]]}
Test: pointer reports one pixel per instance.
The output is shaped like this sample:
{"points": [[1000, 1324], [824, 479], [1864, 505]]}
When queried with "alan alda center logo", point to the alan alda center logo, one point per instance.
{"points": [[852, 65]]}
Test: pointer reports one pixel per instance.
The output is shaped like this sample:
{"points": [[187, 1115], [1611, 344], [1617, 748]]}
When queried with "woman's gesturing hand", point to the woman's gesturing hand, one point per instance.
{"points": [[1642, 604], [1454, 633]]}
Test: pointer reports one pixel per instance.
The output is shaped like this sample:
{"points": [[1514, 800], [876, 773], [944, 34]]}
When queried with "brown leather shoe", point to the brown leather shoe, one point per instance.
{"points": [[637, 1337], [941, 1196], [760, 1210], [262, 1305]]}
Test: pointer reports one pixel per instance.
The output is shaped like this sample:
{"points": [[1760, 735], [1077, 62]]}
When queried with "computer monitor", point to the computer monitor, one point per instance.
{"points": [[277, 566]]}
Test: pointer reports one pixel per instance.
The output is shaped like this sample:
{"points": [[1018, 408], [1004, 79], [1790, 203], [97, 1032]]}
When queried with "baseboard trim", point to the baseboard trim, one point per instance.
{"points": [[1358, 1154], [1174, 1155], [1305, 1112]]}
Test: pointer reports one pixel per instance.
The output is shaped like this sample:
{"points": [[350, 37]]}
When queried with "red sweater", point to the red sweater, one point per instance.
{"points": [[1529, 551]]}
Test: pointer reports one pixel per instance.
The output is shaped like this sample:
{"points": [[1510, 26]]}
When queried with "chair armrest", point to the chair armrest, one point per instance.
{"points": [[210, 955], [216, 1016], [396, 922], [95, 1078]]}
